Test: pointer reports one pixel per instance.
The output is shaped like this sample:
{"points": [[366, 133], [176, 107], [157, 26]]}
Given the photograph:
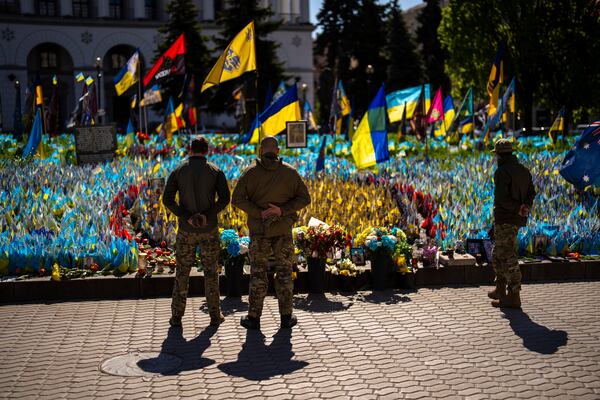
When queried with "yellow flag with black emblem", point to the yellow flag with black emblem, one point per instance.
{"points": [[238, 57]]}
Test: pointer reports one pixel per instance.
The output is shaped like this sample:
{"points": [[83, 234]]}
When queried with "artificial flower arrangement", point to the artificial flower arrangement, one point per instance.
{"points": [[402, 257], [428, 255], [380, 239], [233, 246], [344, 267], [319, 241]]}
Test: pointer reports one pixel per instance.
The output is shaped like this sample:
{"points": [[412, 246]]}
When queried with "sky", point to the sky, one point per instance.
{"points": [[315, 6]]}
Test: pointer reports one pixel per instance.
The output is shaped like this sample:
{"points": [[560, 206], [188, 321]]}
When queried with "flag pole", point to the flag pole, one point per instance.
{"points": [[140, 98]]}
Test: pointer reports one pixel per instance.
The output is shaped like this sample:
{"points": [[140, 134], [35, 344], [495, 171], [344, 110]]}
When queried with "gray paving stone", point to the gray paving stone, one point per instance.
{"points": [[443, 343]]}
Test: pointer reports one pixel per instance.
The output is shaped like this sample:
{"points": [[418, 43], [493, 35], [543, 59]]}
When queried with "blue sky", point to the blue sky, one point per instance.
{"points": [[315, 6]]}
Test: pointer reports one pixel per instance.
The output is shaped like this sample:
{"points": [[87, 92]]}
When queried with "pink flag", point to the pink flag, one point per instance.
{"points": [[436, 110]]}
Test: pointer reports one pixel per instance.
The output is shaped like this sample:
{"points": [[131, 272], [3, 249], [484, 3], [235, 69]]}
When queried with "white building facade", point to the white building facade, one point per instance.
{"points": [[64, 37]]}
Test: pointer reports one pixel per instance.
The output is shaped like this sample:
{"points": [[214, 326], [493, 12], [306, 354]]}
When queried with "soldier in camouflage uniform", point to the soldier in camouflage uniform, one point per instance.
{"points": [[513, 199], [271, 192], [198, 182]]}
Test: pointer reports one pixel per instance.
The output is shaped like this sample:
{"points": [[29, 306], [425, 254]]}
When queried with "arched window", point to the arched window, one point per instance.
{"points": [[81, 8], [47, 8], [9, 7], [150, 9], [115, 8]]}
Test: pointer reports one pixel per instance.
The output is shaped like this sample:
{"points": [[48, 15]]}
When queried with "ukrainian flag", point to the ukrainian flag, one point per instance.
{"points": [[397, 100], [173, 122], [342, 99], [129, 74], [370, 141], [466, 125], [238, 57], [39, 95], [557, 127], [444, 126], [35, 137], [495, 80], [273, 120]]}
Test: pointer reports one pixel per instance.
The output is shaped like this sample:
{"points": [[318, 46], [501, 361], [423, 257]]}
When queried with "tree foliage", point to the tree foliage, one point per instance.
{"points": [[404, 65], [234, 17], [434, 56], [183, 18], [551, 48]]}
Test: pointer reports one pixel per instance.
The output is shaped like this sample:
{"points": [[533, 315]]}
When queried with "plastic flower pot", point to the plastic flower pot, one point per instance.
{"points": [[234, 271], [380, 270], [316, 275]]}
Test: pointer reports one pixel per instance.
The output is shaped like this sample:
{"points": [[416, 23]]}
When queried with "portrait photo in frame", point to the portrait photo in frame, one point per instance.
{"points": [[296, 134]]}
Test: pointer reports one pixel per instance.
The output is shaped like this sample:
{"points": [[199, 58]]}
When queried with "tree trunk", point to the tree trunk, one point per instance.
{"points": [[526, 110]]}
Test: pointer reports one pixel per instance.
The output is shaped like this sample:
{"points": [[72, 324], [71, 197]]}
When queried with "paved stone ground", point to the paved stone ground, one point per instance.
{"points": [[437, 343]]}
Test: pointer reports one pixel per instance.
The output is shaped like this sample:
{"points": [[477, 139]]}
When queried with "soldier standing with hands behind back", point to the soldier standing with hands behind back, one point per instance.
{"points": [[271, 192], [513, 199], [197, 182]]}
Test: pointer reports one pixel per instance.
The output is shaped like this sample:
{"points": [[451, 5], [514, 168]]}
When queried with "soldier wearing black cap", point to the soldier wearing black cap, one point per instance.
{"points": [[513, 199], [198, 182]]}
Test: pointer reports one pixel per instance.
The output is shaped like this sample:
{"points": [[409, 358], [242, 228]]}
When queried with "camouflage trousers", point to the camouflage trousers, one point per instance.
{"points": [[505, 260], [185, 254], [261, 248]]}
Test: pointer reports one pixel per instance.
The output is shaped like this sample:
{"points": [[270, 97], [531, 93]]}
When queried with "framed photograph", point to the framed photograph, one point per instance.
{"points": [[357, 255], [483, 247], [296, 134]]}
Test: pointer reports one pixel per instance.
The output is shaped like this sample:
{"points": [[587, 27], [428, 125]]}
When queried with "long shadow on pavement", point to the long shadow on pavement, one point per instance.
{"points": [[383, 297], [257, 361], [190, 352], [229, 306], [320, 303], [535, 337]]}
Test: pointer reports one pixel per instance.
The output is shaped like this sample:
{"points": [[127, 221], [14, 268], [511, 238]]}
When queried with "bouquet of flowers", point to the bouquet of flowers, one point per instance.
{"points": [[318, 241], [380, 239], [233, 246], [428, 255], [345, 267], [402, 257]]}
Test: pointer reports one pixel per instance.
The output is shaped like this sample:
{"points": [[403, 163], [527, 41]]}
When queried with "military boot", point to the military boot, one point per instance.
{"points": [[249, 322], [216, 320], [511, 300], [498, 292], [288, 321]]}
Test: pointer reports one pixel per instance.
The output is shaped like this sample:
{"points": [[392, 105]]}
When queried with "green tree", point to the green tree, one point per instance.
{"points": [[233, 18], [433, 54], [369, 40], [334, 45], [404, 65], [551, 48], [183, 18]]}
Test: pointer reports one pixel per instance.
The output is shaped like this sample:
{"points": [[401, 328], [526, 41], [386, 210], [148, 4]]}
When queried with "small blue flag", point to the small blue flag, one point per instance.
{"points": [[35, 137], [581, 165]]}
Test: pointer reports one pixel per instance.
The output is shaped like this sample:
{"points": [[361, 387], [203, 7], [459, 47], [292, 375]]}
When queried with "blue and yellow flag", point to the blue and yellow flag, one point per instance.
{"points": [[342, 99], [370, 140], [80, 77], [309, 116], [281, 89], [444, 126], [407, 99], [171, 124], [238, 57], [320, 164], [557, 127], [273, 120], [495, 80], [38, 92], [35, 137], [129, 74]]}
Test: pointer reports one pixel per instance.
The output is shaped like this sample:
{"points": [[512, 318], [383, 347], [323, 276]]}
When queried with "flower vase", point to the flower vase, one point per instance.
{"points": [[234, 271], [346, 283], [316, 275], [380, 270]]}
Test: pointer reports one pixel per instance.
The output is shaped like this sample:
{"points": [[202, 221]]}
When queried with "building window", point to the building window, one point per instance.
{"points": [[47, 8], [9, 7], [48, 60], [115, 9], [150, 9], [81, 9], [117, 61]]}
